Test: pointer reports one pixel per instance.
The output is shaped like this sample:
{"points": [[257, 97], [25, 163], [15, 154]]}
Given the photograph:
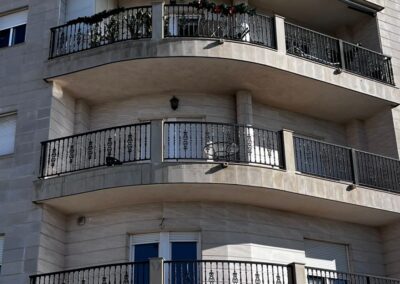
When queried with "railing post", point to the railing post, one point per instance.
{"points": [[156, 141], [288, 150], [354, 164], [342, 58], [156, 272], [297, 273], [157, 20], [42, 159], [280, 34]]}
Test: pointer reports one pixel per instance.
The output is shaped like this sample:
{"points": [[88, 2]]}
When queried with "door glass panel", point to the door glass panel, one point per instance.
{"points": [[185, 269], [5, 38], [144, 252]]}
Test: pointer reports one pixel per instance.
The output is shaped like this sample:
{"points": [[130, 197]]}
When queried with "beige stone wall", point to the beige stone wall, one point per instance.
{"points": [[391, 245], [228, 231], [277, 119], [389, 30], [207, 107]]}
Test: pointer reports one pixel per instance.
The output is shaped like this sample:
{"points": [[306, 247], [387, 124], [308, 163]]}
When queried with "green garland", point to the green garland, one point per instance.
{"points": [[97, 17], [223, 8]]}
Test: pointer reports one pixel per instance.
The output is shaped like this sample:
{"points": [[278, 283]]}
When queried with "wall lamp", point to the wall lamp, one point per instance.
{"points": [[174, 103]]}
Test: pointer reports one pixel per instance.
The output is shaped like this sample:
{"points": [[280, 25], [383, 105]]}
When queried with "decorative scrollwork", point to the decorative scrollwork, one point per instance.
{"points": [[90, 150], [53, 157], [71, 153], [185, 140], [130, 143], [235, 279], [109, 146], [211, 277]]}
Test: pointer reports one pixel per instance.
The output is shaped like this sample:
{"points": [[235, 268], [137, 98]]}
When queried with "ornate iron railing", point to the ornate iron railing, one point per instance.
{"points": [[189, 21], [104, 147], [323, 159], [120, 273], [347, 164], [222, 142], [367, 63], [323, 276], [225, 272], [331, 51], [378, 171], [128, 24]]}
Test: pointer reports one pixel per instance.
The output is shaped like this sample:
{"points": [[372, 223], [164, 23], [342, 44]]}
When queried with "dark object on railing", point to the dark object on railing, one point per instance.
{"points": [[379, 172], [132, 23], [222, 142], [341, 163], [323, 159], [312, 45], [368, 63], [124, 273], [331, 51], [225, 272], [188, 21], [107, 147], [323, 276]]}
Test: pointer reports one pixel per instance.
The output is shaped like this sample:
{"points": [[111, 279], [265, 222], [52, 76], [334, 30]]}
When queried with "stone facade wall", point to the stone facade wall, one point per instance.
{"points": [[228, 231]]}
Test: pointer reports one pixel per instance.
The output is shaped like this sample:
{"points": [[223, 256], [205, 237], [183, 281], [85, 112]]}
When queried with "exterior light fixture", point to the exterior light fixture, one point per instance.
{"points": [[174, 103], [81, 220]]}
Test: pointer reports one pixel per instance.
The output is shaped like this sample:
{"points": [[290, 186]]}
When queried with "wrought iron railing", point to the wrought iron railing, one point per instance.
{"points": [[323, 159], [312, 45], [189, 21], [378, 171], [331, 51], [225, 272], [342, 163], [323, 276], [87, 33], [367, 63], [222, 142], [104, 147], [121, 273]]}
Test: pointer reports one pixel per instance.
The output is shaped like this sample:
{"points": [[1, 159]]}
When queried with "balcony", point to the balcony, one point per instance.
{"points": [[184, 142], [186, 21], [205, 271]]}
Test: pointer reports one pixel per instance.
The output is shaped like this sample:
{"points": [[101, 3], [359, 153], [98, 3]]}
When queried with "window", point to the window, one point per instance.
{"points": [[8, 124], [169, 245], [13, 28], [1, 250], [326, 256]]}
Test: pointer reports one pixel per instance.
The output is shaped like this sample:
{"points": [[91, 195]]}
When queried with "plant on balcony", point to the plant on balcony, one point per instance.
{"points": [[138, 24], [96, 18], [223, 9], [111, 29], [95, 35]]}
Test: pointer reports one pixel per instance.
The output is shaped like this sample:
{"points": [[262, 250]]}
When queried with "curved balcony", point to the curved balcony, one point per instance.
{"points": [[205, 271], [197, 161], [187, 21]]}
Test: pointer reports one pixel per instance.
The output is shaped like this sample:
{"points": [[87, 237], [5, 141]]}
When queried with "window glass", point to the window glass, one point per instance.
{"points": [[146, 251], [7, 134], [4, 38], [19, 34], [184, 251]]}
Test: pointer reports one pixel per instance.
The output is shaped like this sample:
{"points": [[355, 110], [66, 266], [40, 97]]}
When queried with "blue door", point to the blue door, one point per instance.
{"points": [[143, 253], [184, 270]]}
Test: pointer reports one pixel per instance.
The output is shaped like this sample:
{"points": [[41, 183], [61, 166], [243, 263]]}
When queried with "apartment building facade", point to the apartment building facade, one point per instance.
{"points": [[230, 142]]}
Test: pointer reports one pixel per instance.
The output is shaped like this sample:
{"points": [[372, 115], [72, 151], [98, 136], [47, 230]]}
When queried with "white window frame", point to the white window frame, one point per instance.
{"points": [[3, 115], [164, 240]]}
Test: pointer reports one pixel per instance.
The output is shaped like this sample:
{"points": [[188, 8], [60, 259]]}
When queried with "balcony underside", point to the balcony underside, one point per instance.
{"points": [[111, 187], [199, 66]]}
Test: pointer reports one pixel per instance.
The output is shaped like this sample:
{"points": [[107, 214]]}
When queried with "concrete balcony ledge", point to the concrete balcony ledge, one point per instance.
{"points": [[256, 185]]}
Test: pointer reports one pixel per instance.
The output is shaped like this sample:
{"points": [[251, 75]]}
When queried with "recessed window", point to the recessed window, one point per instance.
{"points": [[13, 28], [1, 251], [8, 125], [326, 255]]}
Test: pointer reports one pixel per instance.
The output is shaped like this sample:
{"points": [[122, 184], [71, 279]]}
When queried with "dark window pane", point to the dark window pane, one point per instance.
{"points": [[4, 37], [184, 272], [19, 34], [144, 253], [184, 251]]}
